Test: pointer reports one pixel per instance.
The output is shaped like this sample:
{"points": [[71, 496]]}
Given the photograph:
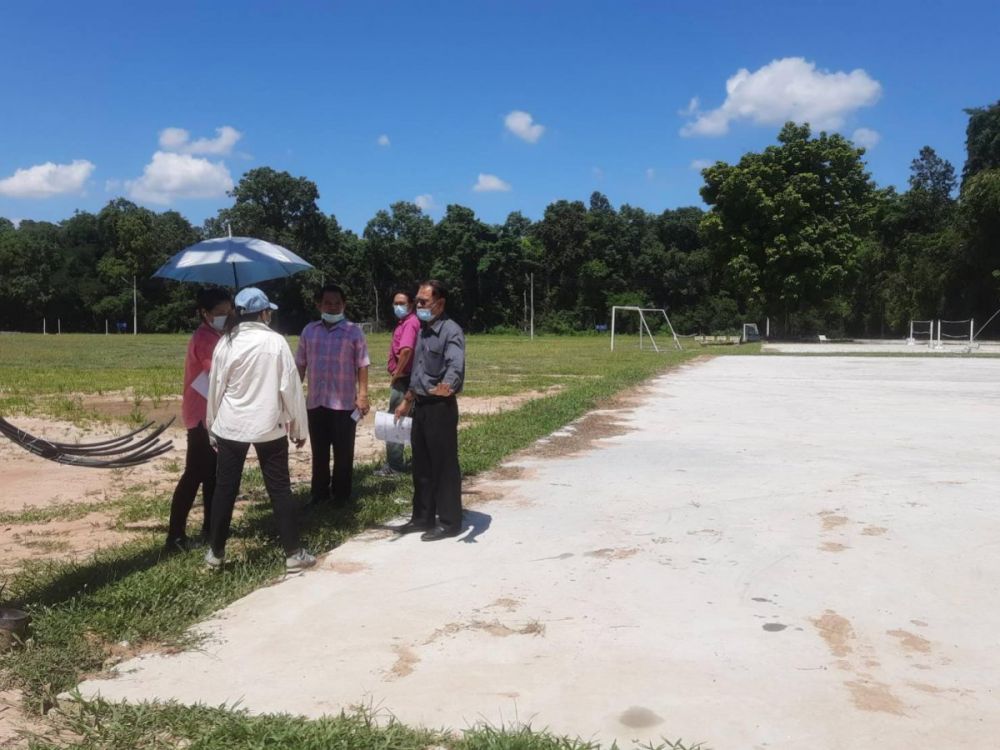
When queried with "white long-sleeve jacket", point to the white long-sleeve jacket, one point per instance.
{"points": [[254, 391]]}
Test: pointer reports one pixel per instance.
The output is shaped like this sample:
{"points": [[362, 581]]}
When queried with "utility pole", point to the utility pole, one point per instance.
{"points": [[135, 308]]}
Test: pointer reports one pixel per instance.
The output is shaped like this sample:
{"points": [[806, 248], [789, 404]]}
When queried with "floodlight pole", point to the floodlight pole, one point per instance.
{"points": [[613, 309], [135, 308]]}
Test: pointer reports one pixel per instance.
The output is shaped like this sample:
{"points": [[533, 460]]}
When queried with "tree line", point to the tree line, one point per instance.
{"points": [[798, 233]]}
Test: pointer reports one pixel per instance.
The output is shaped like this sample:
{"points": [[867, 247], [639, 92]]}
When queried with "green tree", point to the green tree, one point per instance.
{"points": [[982, 141], [787, 226]]}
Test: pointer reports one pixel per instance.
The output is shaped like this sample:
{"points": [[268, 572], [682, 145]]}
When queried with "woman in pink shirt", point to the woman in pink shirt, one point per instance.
{"points": [[404, 341], [214, 307]]}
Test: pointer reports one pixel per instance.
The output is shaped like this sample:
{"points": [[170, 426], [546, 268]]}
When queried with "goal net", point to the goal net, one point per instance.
{"points": [[651, 323], [959, 332], [921, 332], [750, 333]]}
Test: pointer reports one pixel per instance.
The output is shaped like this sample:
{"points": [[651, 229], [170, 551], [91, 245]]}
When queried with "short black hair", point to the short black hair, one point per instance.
{"points": [[333, 289], [437, 287], [408, 293], [209, 298]]}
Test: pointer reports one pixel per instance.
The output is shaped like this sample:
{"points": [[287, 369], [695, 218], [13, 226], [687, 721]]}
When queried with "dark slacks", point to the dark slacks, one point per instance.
{"points": [[273, 458], [332, 428], [199, 471], [437, 479]]}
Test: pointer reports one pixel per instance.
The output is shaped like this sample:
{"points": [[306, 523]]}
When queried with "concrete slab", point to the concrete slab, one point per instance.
{"points": [[780, 552], [883, 346]]}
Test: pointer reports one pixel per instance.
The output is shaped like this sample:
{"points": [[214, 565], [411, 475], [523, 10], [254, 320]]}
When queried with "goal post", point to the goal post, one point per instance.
{"points": [[644, 329], [955, 332], [921, 331]]}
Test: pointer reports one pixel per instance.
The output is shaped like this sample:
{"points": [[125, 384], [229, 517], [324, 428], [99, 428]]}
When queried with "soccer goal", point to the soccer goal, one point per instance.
{"points": [[750, 333], [644, 328], [961, 332], [921, 332]]}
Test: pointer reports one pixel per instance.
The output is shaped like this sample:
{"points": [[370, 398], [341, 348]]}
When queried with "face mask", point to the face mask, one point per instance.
{"points": [[331, 318], [425, 315], [401, 311], [219, 322]]}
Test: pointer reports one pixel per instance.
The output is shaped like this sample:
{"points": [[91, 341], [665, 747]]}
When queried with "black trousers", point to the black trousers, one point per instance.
{"points": [[199, 471], [273, 458], [437, 479], [332, 428]]}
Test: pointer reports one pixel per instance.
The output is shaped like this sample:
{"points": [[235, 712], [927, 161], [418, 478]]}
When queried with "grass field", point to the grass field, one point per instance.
{"points": [[83, 611]]}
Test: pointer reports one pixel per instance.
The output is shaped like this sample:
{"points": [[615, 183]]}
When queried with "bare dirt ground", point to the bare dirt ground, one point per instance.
{"points": [[31, 483]]}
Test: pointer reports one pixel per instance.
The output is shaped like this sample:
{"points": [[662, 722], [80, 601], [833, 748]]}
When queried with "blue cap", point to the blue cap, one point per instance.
{"points": [[253, 300]]}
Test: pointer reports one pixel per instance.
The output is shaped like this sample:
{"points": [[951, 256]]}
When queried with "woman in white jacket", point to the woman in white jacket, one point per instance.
{"points": [[255, 398]]}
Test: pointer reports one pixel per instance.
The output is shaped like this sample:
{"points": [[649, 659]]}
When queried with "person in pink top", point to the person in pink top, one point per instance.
{"points": [[214, 307], [404, 341], [332, 357]]}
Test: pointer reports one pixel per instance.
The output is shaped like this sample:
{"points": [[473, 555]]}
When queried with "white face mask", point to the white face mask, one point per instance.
{"points": [[331, 317], [219, 322]]}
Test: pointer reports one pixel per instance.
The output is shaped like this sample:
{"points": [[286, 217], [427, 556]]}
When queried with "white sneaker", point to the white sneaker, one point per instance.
{"points": [[299, 561], [212, 561]]}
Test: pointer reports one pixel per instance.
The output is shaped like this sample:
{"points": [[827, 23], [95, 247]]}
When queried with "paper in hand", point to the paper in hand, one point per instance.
{"points": [[391, 431], [200, 384]]}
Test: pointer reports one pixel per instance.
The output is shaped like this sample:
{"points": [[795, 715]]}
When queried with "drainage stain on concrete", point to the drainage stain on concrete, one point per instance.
{"points": [[833, 547], [773, 627], [761, 599], [504, 603], [869, 695], [406, 660], [832, 521], [346, 566], [836, 631], [874, 530], [639, 717], [911, 641], [609, 553]]}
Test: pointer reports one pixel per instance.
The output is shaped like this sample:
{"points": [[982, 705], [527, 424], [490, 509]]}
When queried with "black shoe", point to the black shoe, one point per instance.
{"points": [[177, 545], [438, 533], [412, 526], [317, 502]]}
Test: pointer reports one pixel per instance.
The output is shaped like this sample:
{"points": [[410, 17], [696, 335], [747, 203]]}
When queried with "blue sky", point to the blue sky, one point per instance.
{"points": [[97, 97]]}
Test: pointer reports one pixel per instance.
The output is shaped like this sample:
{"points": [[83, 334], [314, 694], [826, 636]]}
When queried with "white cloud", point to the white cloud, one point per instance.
{"points": [[788, 89], [46, 180], [650, 174], [16, 223], [425, 202], [490, 183], [179, 141], [866, 138], [700, 164], [523, 125], [111, 186], [171, 176], [383, 140], [692, 108]]}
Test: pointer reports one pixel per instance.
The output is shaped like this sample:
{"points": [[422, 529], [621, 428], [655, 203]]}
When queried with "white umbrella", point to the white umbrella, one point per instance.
{"points": [[232, 261]]}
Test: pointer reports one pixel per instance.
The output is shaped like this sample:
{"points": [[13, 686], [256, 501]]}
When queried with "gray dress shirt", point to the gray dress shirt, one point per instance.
{"points": [[439, 357]]}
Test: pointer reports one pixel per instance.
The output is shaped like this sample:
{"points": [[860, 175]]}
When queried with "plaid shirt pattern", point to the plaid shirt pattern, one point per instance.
{"points": [[330, 357]]}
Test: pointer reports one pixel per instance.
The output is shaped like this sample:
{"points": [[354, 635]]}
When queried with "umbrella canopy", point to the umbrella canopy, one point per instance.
{"points": [[232, 261]]}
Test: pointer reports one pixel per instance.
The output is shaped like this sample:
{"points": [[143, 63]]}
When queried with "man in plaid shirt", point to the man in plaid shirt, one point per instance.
{"points": [[333, 359]]}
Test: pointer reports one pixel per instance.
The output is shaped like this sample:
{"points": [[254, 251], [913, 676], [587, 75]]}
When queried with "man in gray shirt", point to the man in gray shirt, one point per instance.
{"points": [[437, 376]]}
